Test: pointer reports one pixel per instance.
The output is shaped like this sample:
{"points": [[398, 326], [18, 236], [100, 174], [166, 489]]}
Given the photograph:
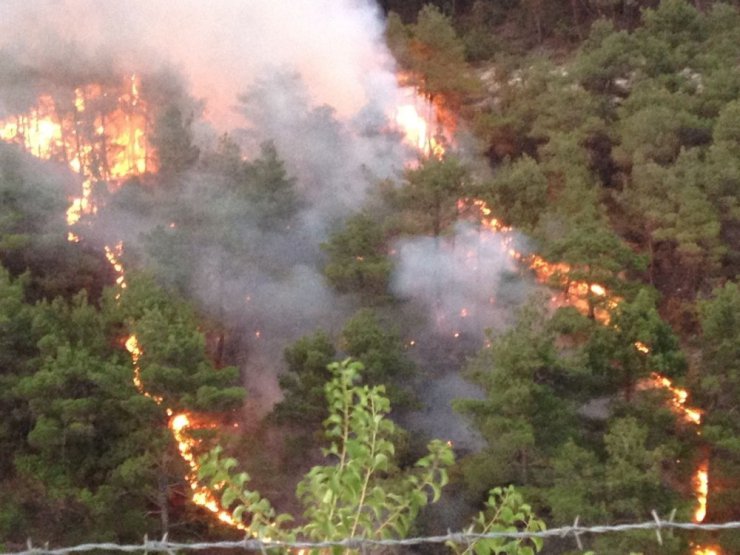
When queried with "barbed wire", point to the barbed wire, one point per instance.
{"points": [[164, 545]]}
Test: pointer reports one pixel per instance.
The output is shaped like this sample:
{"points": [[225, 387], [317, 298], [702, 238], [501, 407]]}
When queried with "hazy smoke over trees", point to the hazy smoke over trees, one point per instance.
{"points": [[220, 47], [316, 80]]}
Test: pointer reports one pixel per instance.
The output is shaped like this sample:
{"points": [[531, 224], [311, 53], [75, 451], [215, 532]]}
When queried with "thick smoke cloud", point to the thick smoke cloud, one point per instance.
{"points": [[334, 159], [314, 77], [220, 46], [462, 284]]}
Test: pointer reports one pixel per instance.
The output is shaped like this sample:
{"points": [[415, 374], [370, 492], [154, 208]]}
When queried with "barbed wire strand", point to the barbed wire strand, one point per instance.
{"points": [[167, 546]]}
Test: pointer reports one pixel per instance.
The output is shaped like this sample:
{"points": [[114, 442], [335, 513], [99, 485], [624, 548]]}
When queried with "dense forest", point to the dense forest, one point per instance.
{"points": [[530, 317]]}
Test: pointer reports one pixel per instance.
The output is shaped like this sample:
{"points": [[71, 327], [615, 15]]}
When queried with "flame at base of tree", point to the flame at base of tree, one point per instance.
{"points": [[578, 294], [679, 396], [181, 425]]}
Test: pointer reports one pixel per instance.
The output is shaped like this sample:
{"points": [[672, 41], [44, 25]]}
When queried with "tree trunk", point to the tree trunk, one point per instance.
{"points": [[163, 502], [576, 24], [525, 469]]}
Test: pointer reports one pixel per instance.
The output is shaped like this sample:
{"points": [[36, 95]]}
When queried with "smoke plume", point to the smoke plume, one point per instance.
{"points": [[220, 47], [316, 79]]}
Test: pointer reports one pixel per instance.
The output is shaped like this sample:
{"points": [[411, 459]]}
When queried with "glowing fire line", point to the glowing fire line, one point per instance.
{"points": [[180, 424], [579, 294], [115, 148]]}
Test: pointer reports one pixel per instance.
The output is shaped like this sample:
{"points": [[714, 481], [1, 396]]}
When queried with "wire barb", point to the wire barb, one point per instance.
{"points": [[577, 534], [465, 537]]}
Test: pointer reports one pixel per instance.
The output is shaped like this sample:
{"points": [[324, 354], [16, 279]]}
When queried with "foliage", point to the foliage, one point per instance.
{"points": [[33, 232], [613, 353], [380, 349], [521, 417], [303, 383], [519, 190], [357, 261], [718, 393], [431, 192], [364, 494], [173, 140], [433, 53], [505, 511], [271, 192]]}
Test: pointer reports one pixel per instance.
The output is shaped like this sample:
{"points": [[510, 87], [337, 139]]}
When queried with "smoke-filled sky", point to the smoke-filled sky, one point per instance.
{"points": [[220, 46]]}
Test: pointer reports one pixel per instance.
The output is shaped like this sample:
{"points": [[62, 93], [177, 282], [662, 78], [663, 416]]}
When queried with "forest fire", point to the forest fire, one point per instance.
{"points": [[416, 131], [427, 134], [101, 135], [181, 424], [701, 485], [577, 294], [707, 551], [679, 397]]}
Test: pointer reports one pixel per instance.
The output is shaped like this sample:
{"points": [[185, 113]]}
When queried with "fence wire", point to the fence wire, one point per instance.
{"points": [[461, 538]]}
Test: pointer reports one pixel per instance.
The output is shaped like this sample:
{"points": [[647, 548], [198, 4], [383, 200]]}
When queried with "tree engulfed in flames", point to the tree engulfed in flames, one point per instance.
{"points": [[101, 135], [428, 135]]}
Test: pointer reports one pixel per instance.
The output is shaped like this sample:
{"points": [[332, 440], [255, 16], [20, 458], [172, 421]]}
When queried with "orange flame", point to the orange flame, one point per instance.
{"points": [[679, 395], [578, 294], [416, 131], [419, 131], [111, 146], [181, 423], [701, 484], [95, 140], [711, 550]]}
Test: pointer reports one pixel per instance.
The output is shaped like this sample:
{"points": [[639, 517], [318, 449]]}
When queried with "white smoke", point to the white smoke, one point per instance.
{"points": [[466, 282], [221, 46]]}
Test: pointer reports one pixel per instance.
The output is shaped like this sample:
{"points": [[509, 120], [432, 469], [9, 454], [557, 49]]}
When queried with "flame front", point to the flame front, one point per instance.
{"points": [[106, 141], [416, 131], [580, 294], [679, 396], [181, 424]]}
